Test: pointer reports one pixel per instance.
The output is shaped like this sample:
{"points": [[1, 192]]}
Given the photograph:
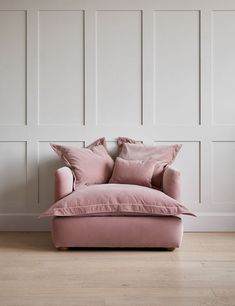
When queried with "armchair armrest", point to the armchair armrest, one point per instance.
{"points": [[171, 183], [63, 183]]}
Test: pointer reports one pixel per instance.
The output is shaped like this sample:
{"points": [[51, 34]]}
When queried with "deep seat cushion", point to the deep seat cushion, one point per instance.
{"points": [[116, 199]]}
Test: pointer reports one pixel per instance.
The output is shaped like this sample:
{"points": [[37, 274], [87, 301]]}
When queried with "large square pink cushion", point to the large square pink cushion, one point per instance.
{"points": [[91, 165], [116, 199], [163, 156]]}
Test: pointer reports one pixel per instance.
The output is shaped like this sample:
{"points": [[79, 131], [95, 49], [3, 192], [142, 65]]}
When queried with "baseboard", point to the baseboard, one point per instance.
{"points": [[24, 222], [212, 222]]}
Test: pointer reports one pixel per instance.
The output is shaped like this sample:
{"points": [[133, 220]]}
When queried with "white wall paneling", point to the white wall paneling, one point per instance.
{"points": [[61, 67], [188, 161], [119, 66], [13, 67], [112, 147], [223, 191], [159, 71], [177, 66], [13, 178], [223, 38]]}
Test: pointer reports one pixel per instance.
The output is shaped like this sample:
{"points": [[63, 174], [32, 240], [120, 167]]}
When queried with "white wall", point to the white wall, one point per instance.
{"points": [[160, 71]]}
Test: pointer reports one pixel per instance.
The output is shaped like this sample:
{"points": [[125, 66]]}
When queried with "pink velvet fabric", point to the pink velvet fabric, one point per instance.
{"points": [[98, 142], [92, 165], [171, 183], [63, 183], [164, 232], [116, 199], [122, 140], [137, 172], [115, 231], [163, 156]]}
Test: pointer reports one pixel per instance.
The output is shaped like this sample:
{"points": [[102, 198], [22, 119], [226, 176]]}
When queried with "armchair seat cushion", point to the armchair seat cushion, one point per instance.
{"points": [[116, 199]]}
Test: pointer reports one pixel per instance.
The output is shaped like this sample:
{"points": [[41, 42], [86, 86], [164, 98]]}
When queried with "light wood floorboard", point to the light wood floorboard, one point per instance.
{"points": [[200, 273]]}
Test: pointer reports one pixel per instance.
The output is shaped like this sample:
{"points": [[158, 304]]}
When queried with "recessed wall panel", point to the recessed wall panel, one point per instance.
{"points": [[12, 176], [223, 67], [188, 163], [61, 68], [176, 66], [48, 163], [12, 67], [223, 178], [119, 62]]}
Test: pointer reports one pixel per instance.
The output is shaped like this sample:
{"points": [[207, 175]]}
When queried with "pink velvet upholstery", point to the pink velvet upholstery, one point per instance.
{"points": [[171, 183], [120, 231], [163, 155], [116, 200], [122, 140], [63, 183], [92, 165], [136, 172], [164, 232]]}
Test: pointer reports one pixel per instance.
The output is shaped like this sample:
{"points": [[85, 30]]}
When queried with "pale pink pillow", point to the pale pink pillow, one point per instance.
{"points": [[91, 165], [136, 172], [162, 155]]}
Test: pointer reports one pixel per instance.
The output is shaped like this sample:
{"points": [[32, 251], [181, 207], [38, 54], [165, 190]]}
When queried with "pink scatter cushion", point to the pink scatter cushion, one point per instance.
{"points": [[116, 200], [137, 172], [163, 156], [91, 165]]}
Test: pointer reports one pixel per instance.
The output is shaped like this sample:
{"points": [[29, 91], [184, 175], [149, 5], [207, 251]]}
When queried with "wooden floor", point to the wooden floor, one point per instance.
{"points": [[201, 272]]}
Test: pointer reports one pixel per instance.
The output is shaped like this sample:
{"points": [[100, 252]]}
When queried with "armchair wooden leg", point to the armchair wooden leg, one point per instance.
{"points": [[62, 248], [170, 249]]}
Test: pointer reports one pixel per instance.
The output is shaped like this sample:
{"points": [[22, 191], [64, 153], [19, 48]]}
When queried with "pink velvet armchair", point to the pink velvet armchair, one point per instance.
{"points": [[117, 231]]}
